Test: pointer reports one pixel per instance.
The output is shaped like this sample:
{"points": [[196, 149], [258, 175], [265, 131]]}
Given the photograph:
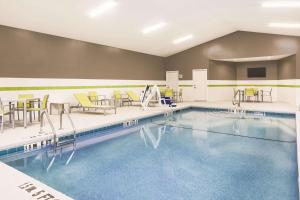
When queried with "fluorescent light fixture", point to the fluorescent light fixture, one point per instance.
{"points": [[153, 28], [102, 8], [281, 4], [183, 39], [284, 25]]}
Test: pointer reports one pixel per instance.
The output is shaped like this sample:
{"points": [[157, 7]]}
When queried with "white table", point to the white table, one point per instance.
{"points": [[60, 106]]}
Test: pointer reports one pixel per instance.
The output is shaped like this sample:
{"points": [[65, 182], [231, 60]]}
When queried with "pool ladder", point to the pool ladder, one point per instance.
{"points": [[59, 144], [237, 110], [56, 143]]}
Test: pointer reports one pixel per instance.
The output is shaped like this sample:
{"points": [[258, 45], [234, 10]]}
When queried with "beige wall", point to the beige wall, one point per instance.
{"points": [[27, 54], [239, 44], [34, 55], [286, 68], [275, 70], [219, 70]]}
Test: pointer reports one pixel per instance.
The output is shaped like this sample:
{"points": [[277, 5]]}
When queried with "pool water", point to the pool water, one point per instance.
{"points": [[190, 155]]}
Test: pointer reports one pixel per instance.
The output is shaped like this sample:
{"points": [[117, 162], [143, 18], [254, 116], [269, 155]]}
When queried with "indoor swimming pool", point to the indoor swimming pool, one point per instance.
{"points": [[191, 154]]}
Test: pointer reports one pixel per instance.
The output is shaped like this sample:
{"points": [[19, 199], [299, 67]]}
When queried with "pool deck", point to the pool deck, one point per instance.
{"points": [[16, 185], [11, 179]]}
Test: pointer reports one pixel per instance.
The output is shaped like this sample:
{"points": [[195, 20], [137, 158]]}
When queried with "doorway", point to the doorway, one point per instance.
{"points": [[200, 84], [172, 79]]}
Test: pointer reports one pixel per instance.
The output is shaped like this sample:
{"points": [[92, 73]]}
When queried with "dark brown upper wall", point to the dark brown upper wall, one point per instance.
{"points": [[286, 68], [239, 44], [219, 70], [29, 54], [271, 70]]}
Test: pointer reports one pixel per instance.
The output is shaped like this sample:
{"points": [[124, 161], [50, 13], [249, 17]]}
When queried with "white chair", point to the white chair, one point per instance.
{"points": [[6, 110], [266, 94]]}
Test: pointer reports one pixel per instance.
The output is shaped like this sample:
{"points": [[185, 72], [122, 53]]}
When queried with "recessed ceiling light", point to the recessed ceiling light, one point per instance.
{"points": [[183, 39], [102, 8], [280, 4], [284, 25], [154, 27]]}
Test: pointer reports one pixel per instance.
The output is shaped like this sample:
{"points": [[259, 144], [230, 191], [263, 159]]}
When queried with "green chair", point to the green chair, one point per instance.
{"points": [[162, 92], [86, 103], [95, 98], [169, 93], [133, 97], [44, 103], [117, 94], [22, 97], [120, 99], [117, 97], [251, 93], [41, 106], [20, 104], [236, 94]]}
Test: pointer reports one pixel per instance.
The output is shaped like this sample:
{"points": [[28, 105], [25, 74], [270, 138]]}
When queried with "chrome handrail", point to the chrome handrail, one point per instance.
{"points": [[70, 120], [45, 113]]}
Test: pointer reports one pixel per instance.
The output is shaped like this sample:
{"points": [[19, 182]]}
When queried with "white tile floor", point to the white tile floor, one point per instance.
{"points": [[83, 121], [13, 186]]}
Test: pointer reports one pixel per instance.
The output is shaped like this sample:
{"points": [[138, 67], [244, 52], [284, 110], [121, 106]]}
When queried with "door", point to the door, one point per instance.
{"points": [[200, 84], [172, 79]]}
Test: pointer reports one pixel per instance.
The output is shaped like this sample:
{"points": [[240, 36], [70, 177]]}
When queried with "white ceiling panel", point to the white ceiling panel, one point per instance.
{"points": [[122, 25]]}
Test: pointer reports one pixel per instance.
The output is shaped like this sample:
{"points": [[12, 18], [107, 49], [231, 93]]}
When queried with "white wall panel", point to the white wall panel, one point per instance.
{"points": [[66, 95]]}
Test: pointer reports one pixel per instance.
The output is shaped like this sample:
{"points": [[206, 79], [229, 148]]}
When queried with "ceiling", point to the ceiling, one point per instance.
{"points": [[252, 59], [121, 27]]}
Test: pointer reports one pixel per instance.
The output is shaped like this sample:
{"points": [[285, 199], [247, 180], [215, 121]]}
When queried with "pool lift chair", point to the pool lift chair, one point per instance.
{"points": [[56, 143], [168, 101], [148, 95], [151, 92]]}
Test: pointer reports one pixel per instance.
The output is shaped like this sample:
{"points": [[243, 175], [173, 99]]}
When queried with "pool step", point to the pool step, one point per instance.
{"points": [[65, 143]]}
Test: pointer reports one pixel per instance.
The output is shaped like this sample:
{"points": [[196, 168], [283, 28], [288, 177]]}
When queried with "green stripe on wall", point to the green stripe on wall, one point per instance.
{"points": [[70, 87], [247, 85], [131, 86], [255, 85]]}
